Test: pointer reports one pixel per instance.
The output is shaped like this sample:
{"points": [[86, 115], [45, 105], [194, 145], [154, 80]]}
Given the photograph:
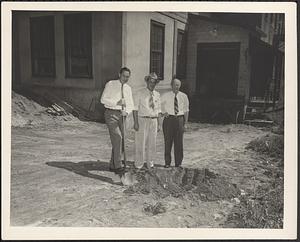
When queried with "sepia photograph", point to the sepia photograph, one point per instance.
{"points": [[148, 119]]}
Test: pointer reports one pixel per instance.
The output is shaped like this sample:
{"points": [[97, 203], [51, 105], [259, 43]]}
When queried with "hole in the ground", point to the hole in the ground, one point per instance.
{"points": [[177, 182]]}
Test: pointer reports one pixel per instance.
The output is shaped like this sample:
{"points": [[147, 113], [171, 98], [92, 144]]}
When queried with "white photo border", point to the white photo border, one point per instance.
{"points": [[289, 230]]}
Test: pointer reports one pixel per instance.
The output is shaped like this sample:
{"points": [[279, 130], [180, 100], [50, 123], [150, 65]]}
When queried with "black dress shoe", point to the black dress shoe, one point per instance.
{"points": [[167, 166], [120, 170]]}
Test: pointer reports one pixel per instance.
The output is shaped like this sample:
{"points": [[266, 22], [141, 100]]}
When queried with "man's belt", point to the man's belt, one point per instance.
{"points": [[176, 116], [148, 117], [110, 109]]}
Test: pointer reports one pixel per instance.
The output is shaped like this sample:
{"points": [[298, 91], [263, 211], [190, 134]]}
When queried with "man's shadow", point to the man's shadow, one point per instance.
{"points": [[83, 168]]}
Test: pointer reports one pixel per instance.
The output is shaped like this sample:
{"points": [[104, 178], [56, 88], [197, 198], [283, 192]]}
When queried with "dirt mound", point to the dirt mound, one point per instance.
{"points": [[271, 144], [178, 181], [26, 112]]}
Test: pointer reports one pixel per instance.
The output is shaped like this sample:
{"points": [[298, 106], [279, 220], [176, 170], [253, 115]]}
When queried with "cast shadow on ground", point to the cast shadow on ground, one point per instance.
{"points": [[83, 168]]}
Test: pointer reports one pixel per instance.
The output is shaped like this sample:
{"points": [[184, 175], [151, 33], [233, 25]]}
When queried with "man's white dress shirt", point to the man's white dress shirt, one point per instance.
{"points": [[167, 103], [112, 94], [142, 103]]}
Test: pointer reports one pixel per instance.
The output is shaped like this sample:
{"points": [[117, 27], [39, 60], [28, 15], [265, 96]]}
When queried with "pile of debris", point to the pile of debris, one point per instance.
{"points": [[56, 110], [59, 107], [176, 182], [28, 112]]}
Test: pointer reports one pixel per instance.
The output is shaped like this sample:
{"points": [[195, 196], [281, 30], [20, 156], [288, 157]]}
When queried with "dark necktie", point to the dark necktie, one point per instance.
{"points": [[175, 105], [151, 102]]}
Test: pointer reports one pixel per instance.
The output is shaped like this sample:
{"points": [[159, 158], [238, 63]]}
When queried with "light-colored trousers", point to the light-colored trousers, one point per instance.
{"points": [[145, 142]]}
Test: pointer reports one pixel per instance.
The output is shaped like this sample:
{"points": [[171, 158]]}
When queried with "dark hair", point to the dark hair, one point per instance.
{"points": [[125, 69], [173, 79]]}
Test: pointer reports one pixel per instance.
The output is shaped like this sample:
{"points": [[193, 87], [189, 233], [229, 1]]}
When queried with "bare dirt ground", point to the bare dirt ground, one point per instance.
{"points": [[60, 177]]}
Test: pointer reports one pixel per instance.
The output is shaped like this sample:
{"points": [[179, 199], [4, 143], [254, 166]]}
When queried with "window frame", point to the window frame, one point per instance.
{"points": [[32, 21], [68, 73], [162, 64], [180, 57]]}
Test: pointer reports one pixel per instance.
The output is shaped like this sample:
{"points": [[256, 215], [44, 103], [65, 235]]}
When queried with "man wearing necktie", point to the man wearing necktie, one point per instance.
{"points": [[147, 122], [175, 109], [118, 102]]}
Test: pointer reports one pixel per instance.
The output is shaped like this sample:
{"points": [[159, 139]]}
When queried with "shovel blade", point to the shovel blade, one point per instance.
{"points": [[128, 179]]}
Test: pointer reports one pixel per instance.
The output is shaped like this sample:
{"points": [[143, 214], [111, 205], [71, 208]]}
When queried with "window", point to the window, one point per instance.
{"points": [[157, 42], [181, 54], [42, 46], [78, 46]]}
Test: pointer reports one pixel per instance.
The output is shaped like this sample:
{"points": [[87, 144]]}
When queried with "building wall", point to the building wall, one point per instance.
{"points": [[136, 45], [272, 24], [200, 31], [106, 56]]}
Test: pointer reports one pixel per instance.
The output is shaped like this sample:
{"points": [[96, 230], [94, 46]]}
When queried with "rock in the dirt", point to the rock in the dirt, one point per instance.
{"points": [[243, 192], [236, 200], [154, 209], [217, 216]]}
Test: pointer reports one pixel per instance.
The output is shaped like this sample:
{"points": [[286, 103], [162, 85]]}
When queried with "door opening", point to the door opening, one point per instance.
{"points": [[217, 69]]}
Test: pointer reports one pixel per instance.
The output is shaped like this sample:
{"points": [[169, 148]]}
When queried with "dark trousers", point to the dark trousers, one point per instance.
{"points": [[173, 133], [114, 122]]}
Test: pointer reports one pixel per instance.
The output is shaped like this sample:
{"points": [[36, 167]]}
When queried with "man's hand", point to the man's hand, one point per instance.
{"points": [[121, 102], [159, 128], [136, 126], [165, 114], [124, 113], [184, 127]]}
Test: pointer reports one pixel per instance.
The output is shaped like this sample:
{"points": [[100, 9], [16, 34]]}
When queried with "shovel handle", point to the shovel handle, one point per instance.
{"points": [[124, 138]]}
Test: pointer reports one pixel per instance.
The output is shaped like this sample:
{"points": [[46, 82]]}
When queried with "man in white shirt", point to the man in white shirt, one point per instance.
{"points": [[175, 108], [147, 122], [118, 102]]}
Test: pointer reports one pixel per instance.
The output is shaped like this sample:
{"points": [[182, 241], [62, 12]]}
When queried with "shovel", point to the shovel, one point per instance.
{"points": [[127, 177]]}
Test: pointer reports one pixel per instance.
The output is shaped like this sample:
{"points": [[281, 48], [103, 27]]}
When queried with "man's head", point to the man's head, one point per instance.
{"points": [[124, 74], [151, 81], [175, 84]]}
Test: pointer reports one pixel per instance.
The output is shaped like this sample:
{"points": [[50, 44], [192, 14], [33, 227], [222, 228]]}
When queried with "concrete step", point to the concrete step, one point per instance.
{"points": [[258, 122]]}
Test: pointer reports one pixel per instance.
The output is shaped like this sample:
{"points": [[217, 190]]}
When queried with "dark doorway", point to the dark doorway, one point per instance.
{"points": [[217, 69]]}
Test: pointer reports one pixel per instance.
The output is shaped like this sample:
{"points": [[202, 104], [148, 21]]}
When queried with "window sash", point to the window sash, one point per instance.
{"points": [[42, 46], [157, 42], [181, 54], [78, 45]]}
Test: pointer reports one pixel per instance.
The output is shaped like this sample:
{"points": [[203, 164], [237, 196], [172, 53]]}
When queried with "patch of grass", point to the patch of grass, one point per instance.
{"points": [[264, 210]]}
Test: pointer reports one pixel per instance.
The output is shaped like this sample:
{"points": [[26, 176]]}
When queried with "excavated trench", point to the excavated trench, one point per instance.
{"points": [[177, 182]]}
